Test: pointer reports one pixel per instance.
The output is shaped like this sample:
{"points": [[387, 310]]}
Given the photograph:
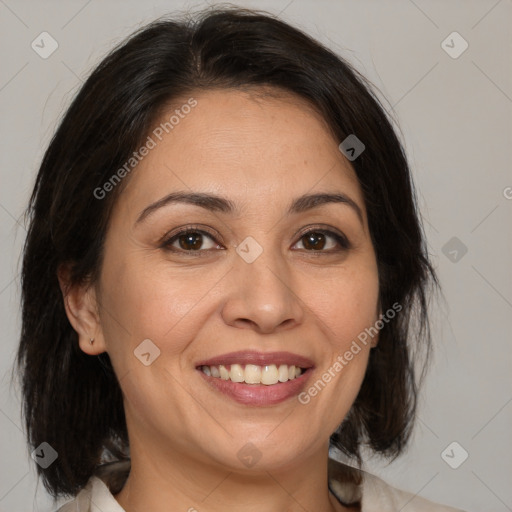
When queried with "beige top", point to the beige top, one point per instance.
{"points": [[372, 494]]}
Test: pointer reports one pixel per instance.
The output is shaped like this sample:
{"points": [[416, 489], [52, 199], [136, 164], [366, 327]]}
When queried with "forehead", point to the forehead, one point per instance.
{"points": [[247, 145]]}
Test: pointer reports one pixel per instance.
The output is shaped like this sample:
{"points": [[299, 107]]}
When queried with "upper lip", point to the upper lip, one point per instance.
{"points": [[258, 358]]}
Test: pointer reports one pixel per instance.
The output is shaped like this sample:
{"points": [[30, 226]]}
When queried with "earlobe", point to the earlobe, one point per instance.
{"points": [[81, 305]]}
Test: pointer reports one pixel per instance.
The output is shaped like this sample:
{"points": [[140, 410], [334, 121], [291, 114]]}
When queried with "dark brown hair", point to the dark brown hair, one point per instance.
{"points": [[73, 401]]}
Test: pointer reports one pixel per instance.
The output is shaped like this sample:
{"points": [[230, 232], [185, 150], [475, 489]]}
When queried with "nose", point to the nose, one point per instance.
{"points": [[261, 296]]}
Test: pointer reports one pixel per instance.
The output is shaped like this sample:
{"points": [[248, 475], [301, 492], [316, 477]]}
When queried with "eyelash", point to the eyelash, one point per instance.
{"points": [[169, 240]]}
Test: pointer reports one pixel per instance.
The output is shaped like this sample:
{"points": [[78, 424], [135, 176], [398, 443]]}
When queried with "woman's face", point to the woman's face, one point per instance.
{"points": [[267, 282]]}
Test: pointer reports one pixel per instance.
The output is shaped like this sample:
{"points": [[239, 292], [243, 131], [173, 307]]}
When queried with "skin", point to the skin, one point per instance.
{"points": [[261, 153]]}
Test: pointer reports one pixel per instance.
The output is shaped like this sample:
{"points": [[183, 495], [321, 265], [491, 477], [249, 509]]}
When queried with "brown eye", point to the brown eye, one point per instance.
{"points": [[190, 240], [314, 240], [323, 241]]}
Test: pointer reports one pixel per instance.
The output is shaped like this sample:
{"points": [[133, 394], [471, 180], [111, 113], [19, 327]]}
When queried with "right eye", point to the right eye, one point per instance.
{"points": [[189, 240]]}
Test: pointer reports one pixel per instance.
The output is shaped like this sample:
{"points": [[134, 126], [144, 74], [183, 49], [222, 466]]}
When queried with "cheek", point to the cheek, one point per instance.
{"points": [[143, 299], [346, 306]]}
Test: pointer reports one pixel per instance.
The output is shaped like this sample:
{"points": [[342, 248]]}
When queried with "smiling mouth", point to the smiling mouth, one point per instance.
{"points": [[267, 375]]}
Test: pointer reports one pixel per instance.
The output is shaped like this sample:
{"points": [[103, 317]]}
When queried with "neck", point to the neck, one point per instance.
{"points": [[158, 482]]}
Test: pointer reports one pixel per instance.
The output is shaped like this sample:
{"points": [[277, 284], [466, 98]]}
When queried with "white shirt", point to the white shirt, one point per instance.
{"points": [[373, 494]]}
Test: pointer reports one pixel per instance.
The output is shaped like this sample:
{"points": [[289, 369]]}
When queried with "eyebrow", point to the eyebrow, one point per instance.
{"points": [[220, 204]]}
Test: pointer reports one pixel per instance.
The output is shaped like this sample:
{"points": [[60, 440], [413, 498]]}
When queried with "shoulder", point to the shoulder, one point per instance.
{"points": [[377, 494], [374, 494], [97, 495]]}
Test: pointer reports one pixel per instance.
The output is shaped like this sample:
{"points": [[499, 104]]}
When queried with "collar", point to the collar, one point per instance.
{"points": [[345, 483]]}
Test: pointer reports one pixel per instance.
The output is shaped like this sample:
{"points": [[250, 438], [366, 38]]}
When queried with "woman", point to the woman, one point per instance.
{"points": [[224, 277]]}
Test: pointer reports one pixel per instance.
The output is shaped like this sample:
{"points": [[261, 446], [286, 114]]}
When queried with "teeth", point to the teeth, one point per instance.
{"points": [[269, 375], [223, 372], [236, 374], [254, 374], [283, 373]]}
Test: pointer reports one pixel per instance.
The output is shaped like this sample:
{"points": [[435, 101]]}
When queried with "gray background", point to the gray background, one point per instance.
{"points": [[455, 116]]}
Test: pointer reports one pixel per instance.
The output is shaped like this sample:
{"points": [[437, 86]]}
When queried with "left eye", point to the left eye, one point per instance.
{"points": [[316, 241]]}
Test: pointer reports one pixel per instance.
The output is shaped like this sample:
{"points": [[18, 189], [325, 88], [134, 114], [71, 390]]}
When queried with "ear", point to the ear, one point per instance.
{"points": [[82, 310]]}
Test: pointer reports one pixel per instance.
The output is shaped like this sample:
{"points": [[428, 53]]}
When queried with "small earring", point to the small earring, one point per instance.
{"points": [[91, 341]]}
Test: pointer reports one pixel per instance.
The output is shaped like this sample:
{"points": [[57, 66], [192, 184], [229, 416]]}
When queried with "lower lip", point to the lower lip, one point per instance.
{"points": [[259, 394]]}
